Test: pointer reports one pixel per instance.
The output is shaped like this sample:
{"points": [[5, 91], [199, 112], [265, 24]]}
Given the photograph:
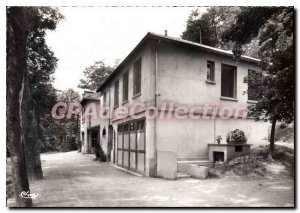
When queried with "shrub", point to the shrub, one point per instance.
{"points": [[236, 137]]}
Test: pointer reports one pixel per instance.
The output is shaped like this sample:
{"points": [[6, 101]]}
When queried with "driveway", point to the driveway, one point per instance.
{"points": [[75, 180]]}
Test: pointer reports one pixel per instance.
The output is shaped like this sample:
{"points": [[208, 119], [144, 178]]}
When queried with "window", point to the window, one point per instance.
{"points": [[83, 115], [253, 80], [137, 77], [104, 99], [211, 71], [140, 125], [120, 129], [125, 86], [116, 98], [228, 81], [238, 149], [126, 127], [132, 126], [82, 138]]}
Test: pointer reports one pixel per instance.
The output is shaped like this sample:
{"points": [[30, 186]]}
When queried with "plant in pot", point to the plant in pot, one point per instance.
{"points": [[236, 137], [218, 139]]}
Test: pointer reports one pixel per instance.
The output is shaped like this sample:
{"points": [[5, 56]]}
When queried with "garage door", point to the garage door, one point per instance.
{"points": [[131, 145]]}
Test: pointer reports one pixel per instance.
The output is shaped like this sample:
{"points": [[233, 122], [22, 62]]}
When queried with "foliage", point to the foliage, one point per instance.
{"points": [[273, 28], [95, 75], [41, 61], [212, 24], [248, 23], [41, 64], [236, 137], [67, 130], [61, 135], [215, 25]]}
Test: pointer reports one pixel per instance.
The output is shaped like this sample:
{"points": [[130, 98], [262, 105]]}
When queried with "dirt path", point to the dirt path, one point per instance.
{"points": [[75, 180]]}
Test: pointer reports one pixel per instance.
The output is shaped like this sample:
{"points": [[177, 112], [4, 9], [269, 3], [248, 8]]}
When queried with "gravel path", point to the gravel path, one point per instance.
{"points": [[75, 180]]}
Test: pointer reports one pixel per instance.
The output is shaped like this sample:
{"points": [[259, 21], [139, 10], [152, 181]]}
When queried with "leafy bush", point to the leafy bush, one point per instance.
{"points": [[236, 137]]}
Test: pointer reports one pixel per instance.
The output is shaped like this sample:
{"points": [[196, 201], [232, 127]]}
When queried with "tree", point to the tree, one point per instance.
{"points": [[212, 24], [273, 27], [39, 92], [29, 66], [17, 21], [68, 128], [41, 61], [95, 75]]}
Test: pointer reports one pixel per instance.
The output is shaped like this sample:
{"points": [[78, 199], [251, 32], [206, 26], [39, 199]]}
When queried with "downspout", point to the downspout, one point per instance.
{"points": [[215, 130], [109, 120], [109, 108]]}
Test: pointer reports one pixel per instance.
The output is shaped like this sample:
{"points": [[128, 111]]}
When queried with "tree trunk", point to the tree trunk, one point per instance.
{"points": [[32, 140], [16, 66], [272, 136]]}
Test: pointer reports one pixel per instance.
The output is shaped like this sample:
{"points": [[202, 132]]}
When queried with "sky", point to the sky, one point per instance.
{"points": [[88, 34]]}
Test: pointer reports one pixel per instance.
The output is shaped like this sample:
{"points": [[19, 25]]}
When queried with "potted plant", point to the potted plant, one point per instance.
{"points": [[218, 139]]}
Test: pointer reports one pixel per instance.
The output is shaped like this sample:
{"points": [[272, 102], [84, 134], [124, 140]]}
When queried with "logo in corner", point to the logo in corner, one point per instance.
{"points": [[27, 195]]}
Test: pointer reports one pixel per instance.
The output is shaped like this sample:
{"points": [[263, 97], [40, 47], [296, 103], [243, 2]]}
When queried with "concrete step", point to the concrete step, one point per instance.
{"points": [[181, 175], [183, 165]]}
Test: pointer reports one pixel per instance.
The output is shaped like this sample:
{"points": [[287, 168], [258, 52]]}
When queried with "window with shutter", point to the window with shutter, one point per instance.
{"points": [[125, 86], [137, 77], [211, 71], [116, 98]]}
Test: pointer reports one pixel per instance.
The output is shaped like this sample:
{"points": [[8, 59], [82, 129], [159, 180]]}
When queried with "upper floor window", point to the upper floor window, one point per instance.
{"points": [[228, 81], [83, 115], [116, 98], [211, 71], [253, 81], [125, 86], [104, 99], [137, 77]]}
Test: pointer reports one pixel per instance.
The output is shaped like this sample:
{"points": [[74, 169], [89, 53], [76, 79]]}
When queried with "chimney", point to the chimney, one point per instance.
{"points": [[166, 32]]}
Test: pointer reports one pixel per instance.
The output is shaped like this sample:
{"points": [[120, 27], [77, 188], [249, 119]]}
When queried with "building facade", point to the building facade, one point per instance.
{"points": [[90, 126], [161, 75]]}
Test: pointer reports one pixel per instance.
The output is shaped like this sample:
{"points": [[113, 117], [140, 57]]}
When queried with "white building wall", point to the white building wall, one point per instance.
{"points": [[182, 75]]}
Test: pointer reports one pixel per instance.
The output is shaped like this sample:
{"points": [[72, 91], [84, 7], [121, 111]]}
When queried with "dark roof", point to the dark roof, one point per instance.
{"points": [[151, 35], [89, 95]]}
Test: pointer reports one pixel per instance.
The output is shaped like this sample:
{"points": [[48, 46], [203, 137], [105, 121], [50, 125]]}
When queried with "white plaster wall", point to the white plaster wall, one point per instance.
{"points": [[147, 55], [256, 132], [188, 138], [181, 79], [182, 72]]}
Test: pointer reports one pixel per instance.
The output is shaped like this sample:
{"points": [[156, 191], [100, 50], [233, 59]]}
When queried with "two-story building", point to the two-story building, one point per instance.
{"points": [[165, 70], [90, 126]]}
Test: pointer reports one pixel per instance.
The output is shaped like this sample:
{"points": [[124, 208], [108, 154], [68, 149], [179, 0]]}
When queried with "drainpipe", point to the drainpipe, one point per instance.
{"points": [[215, 130], [109, 107]]}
